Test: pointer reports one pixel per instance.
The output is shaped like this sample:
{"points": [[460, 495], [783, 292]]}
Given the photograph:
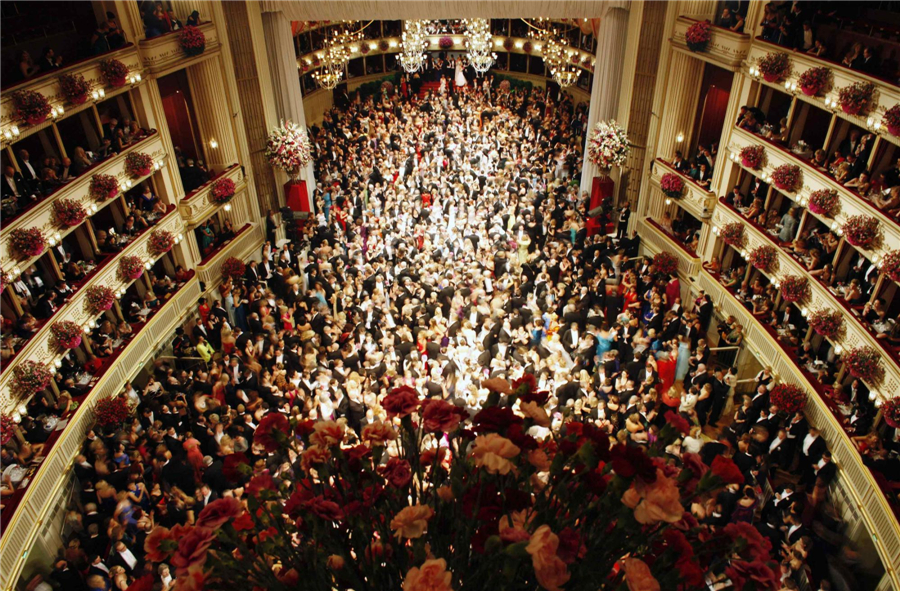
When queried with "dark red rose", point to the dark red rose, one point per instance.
{"points": [[539, 398], [328, 510], [482, 534], [270, 425], [429, 456], [740, 571], [397, 472], [695, 464], [679, 422], [230, 467], [516, 434], [750, 542], [357, 452], [439, 416], [727, 470], [261, 482], [244, 522], [298, 499], [192, 547], [145, 583], [570, 546], [517, 500], [494, 419], [215, 514], [488, 500], [401, 402], [595, 480], [525, 385], [630, 461], [305, 428]]}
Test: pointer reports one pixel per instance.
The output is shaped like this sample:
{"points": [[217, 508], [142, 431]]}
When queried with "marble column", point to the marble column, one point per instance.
{"points": [[213, 113], [129, 18], [682, 93], [611, 42]]}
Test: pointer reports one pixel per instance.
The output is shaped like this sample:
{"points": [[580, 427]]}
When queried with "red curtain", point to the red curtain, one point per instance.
{"points": [[713, 115]]}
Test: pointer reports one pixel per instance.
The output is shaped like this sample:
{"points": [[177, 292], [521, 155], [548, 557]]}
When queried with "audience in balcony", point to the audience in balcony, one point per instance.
{"points": [[192, 175], [731, 20]]}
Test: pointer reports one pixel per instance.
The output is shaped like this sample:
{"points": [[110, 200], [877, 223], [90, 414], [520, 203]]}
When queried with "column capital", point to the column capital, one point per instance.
{"points": [[612, 5]]}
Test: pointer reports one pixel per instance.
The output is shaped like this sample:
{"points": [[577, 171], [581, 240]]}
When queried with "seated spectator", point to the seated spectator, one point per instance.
{"points": [[731, 20], [193, 20], [818, 49], [115, 36], [49, 60], [99, 41], [853, 55], [866, 62], [27, 67], [80, 161]]}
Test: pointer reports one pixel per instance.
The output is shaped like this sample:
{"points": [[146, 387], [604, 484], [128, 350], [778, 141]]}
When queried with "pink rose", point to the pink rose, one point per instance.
{"points": [[192, 548], [431, 576], [492, 452], [411, 521], [439, 416], [155, 544], [377, 434], [327, 434], [335, 562], [515, 530], [550, 570], [652, 503], [638, 576], [397, 472], [218, 512], [532, 411]]}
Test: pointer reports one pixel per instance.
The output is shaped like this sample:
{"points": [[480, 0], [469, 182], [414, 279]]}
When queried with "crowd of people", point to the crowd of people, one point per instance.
{"points": [[159, 21]]}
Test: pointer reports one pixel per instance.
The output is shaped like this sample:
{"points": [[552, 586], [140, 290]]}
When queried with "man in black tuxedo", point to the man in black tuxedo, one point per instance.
{"points": [[177, 473], [207, 495], [251, 274], [622, 222], [30, 173], [811, 450]]}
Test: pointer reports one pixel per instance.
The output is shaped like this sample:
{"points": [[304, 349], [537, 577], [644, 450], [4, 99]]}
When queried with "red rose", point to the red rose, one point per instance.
{"points": [[231, 467], [243, 523], [299, 498], [752, 544], [260, 483], [215, 514], [304, 428], [401, 402], [397, 472], [570, 546], [527, 384], [740, 572], [270, 425], [192, 548], [156, 542], [494, 419], [595, 480], [727, 470], [439, 416], [516, 434], [678, 421], [539, 398], [694, 463], [328, 510], [629, 461]]}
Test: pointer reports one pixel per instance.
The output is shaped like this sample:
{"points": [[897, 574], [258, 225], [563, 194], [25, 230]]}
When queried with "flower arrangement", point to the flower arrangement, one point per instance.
{"points": [[65, 334], [387, 87], [445, 42], [111, 413], [364, 48], [794, 288], [30, 377], [787, 177], [504, 85], [7, 428], [383, 45], [733, 233], [752, 156], [763, 257], [672, 185], [857, 98], [527, 47], [775, 67], [825, 202], [192, 41], [587, 61], [892, 120], [608, 145], [161, 241], [68, 212], [814, 80], [288, 148], [233, 268], [862, 230], [890, 410], [99, 298], [27, 242], [114, 72], [828, 323], [104, 186], [508, 44], [788, 398], [138, 164], [31, 106], [665, 262], [864, 363], [222, 191], [74, 87], [130, 268], [890, 265], [698, 35], [495, 507]]}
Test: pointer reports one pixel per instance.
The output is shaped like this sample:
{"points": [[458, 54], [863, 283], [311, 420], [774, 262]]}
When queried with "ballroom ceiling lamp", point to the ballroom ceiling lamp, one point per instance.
{"points": [[336, 55], [555, 52], [412, 46], [478, 44]]}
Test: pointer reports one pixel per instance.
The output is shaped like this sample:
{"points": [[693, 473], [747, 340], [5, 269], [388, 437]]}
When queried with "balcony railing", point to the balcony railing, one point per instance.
{"points": [[657, 240], [245, 242], [196, 206], [38, 347], [868, 498], [163, 54], [697, 200], [726, 48], [23, 527]]}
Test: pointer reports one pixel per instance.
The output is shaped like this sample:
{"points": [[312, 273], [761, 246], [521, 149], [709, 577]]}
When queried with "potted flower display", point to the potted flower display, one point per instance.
{"points": [[383, 45], [732, 234], [787, 177], [130, 268], [508, 44], [27, 242], [161, 241], [233, 268], [788, 398], [99, 298], [288, 148], [862, 230], [890, 265], [607, 146], [763, 257], [890, 410], [892, 120], [30, 377], [65, 334], [794, 288], [828, 323], [672, 185], [114, 72], [814, 80], [775, 67], [138, 164], [698, 35], [665, 262], [7, 428], [504, 86], [192, 41], [68, 212], [527, 47], [824, 202], [445, 42], [222, 191], [857, 98], [864, 363], [74, 87], [752, 156], [104, 186], [31, 107], [112, 412]]}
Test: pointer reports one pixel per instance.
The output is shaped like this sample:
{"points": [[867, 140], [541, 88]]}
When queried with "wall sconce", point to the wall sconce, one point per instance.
{"points": [[92, 208], [128, 183], [98, 94], [498, 43], [804, 312], [213, 143], [668, 201], [157, 165], [790, 86], [878, 403], [57, 364], [12, 132], [777, 284], [679, 138], [872, 394], [392, 44], [520, 44], [754, 71], [148, 265], [830, 103], [227, 207], [872, 124], [134, 78], [56, 112], [715, 230]]}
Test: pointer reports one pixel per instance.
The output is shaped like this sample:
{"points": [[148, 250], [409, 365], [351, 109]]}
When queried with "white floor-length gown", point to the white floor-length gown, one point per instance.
{"points": [[460, 77]]}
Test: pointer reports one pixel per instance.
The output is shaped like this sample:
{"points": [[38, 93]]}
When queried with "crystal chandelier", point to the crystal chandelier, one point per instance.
{"points": [[335, 58], [478, 44], [413, 44], [555, 54]]}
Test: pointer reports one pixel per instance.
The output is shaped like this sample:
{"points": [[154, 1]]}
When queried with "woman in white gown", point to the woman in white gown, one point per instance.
{"points": [[460, 77]]}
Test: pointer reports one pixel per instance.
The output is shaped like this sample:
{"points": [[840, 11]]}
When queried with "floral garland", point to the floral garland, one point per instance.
{"points": [[138, 164], [99, 298], [111, 413], [288, 148], [30, 377], [665, 263], [104, 186], [775, 67], [608, 145], [890, 410], [233, 268], [788, 398], [364, 48], [445, 42], [794, 288], [752, 156], [192, 41], [672, 185], [31, 106], [130, 268], [890, 265], [864, 363], [825, 202], [7, 428], [508, 44], [733, 234], [891, 120], [27, 242], [387, 87], [814, 80], [383, 45], [68, 212], [504, 85], [65, 334], [222, 191], [114, 72], [787, 177], [698, 35], [527, 47], [161, 241], [857, 98], [74, 87], [862, 230], [828, 323], [763, 257]]}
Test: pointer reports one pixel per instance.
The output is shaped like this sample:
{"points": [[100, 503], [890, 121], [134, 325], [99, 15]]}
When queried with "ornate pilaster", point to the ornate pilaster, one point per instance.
{"points": [[129, 18], [213, 113], [150, 113], [682, 92]]}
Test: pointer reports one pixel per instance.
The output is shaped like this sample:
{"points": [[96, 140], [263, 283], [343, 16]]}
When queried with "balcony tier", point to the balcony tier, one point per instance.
{"points": [[196, 206], [697, 200], [655, 240], [163, 54], [726, 48], [245, 242]]}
